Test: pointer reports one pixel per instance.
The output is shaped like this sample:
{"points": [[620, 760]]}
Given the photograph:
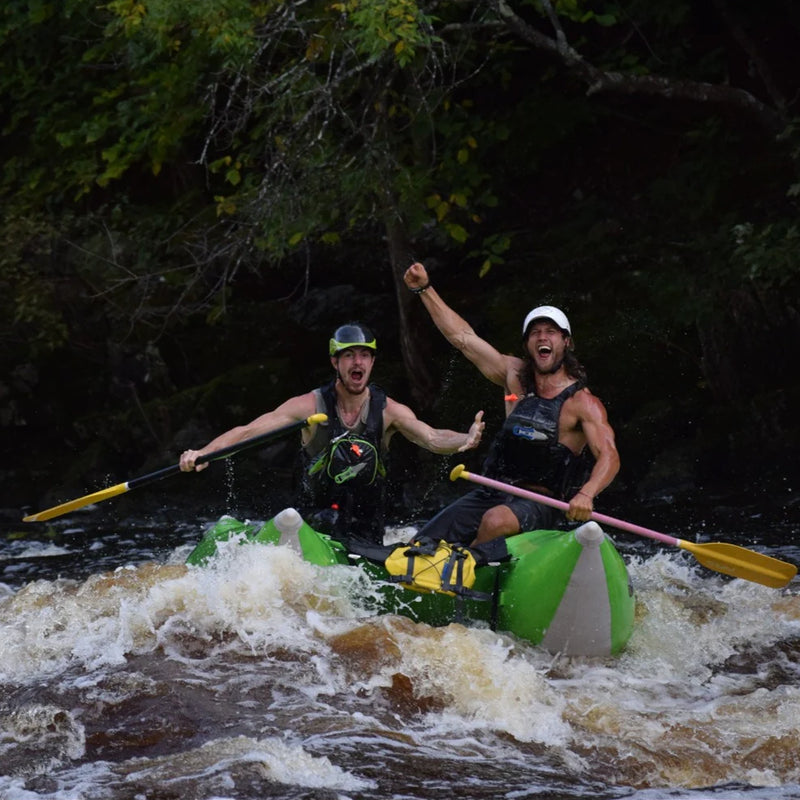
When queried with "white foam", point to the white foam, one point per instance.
{"points": [[670, 710], [272, 758], [260, 593]]}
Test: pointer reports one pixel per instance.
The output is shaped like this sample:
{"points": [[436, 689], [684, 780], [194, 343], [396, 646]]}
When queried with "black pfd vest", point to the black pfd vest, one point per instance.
{"points": [[527, 451], [345, 468]]}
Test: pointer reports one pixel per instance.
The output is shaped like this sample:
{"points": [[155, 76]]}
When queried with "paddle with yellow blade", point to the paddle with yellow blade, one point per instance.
{"points": [[729, 559], [135, 483]]}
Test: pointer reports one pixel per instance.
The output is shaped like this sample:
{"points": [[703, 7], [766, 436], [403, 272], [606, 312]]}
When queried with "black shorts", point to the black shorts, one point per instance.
{"points": [[458, 522]]}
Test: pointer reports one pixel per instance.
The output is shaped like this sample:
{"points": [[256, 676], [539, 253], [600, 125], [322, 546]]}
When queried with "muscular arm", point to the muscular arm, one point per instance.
{"points": [[402, 419], [293, 410], [592, 419], [493, 365]]}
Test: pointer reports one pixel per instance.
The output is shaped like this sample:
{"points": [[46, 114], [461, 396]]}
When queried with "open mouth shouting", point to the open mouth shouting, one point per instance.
{"points": [[546, 358], [543, 353], [354, 380], [356, 376]]}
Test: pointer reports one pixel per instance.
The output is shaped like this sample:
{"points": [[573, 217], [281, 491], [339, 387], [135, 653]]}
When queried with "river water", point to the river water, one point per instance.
{"points": [[127, 675]]}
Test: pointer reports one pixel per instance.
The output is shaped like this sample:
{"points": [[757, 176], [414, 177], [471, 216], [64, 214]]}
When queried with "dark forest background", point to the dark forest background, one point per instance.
{"points": [[195, 194]]}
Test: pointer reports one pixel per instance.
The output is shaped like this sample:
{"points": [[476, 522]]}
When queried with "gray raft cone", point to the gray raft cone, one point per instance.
{"points": [[583, 620], [590, 533], [288, 522]]}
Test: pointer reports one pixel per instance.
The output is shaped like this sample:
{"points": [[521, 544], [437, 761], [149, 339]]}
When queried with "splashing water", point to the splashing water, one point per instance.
{"points": [[262, 675]]}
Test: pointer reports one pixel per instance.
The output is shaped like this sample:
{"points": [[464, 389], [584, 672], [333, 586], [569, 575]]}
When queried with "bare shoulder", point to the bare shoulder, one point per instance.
{"points": [[493, 364], [305, 402], [394, 411], [586, 406], [300, 407]]}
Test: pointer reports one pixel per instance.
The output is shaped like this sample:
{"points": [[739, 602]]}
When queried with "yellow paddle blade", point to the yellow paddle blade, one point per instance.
{"points": [[739, 562], [80, 502], [729, 559]]}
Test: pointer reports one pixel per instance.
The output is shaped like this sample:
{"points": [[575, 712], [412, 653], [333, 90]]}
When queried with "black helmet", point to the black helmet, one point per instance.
{"points": [[354, 334]]}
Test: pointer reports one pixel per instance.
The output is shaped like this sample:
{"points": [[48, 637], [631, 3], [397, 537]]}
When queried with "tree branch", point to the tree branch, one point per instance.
{"points": [[753, 53], [598, 80]]}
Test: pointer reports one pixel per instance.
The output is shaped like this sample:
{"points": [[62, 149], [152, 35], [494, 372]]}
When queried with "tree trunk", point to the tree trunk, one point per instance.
{"points": [[416, 351]]}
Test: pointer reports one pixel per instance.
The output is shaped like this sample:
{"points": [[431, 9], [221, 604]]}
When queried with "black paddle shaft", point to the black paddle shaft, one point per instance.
{"points": [[217, 455]]}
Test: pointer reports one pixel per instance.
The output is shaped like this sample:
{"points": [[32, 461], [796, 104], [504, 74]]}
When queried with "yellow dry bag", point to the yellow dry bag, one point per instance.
{"points": [[428, 566]]}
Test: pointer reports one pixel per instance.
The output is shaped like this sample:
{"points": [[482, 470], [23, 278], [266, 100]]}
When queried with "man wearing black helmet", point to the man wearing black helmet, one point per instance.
{"points": [[345, 457], [556, 439]]}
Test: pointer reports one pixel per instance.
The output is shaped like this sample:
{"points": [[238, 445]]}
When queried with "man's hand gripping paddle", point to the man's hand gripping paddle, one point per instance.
{"points": [[729, 559], [135, 483]]}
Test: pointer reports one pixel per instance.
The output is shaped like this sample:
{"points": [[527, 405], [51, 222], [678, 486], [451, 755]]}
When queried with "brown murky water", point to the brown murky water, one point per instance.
{"points": [[262, 676]]}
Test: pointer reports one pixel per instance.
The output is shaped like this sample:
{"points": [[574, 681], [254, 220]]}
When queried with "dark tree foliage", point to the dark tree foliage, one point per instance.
{"points": [[177, 174]]}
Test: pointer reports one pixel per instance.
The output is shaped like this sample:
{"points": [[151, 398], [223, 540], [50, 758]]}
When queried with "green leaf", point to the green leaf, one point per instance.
{"points": [[457, 232]]}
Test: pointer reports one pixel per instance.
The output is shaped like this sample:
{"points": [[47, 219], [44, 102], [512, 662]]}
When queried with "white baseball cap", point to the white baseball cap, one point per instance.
{"points": [[548, 312]]}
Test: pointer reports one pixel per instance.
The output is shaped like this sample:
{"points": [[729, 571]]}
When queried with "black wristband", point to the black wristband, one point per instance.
{"points": [[421, 289]]}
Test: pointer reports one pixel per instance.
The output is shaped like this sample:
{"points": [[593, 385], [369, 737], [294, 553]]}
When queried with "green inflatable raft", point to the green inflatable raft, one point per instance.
{"points": [[567, 591]]}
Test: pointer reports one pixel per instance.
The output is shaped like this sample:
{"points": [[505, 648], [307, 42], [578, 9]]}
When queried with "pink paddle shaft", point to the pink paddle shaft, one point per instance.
{"points": [[550, 501]]}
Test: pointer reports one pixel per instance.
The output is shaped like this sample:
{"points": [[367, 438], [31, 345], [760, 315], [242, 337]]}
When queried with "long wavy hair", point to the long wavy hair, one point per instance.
{"points": [[527, 372]]}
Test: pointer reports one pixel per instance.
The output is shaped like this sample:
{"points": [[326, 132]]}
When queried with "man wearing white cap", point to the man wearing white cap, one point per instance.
{"points": [[556, 439]]}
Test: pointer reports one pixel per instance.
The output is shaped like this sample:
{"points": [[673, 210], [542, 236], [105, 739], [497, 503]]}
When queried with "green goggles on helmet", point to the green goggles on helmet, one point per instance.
{"points": [[352, 335]]}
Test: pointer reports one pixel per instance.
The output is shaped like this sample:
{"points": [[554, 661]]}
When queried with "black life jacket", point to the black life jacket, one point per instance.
{"points": [[526, 450], [344, 469]]}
